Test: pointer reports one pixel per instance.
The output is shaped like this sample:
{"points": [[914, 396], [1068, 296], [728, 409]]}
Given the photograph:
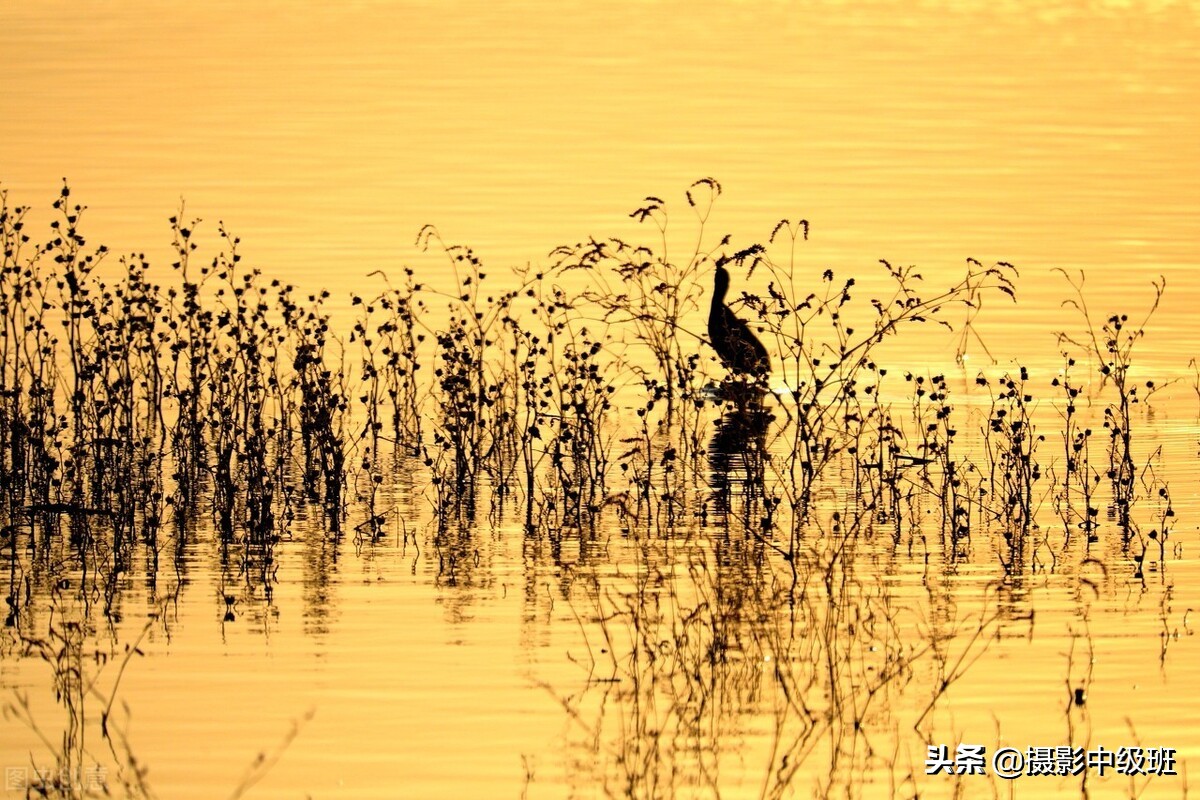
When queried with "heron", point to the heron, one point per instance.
{"points": [[738, 348]]}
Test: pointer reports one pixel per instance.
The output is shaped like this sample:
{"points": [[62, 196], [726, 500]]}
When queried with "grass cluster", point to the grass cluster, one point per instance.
{"points": [[142, 408]]}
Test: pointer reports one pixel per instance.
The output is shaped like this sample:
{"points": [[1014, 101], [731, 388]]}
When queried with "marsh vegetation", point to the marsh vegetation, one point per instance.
{"points": [[729, 545]]}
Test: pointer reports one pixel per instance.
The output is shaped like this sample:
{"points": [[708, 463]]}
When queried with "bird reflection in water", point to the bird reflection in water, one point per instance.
{"points": [[737, 455]]}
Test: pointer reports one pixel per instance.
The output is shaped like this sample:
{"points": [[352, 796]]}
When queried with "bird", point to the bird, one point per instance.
{"points": [[738, 348]]}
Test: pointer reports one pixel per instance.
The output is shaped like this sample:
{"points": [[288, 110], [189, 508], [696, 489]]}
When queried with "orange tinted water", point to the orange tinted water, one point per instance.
{"points": [[1049, 136]]}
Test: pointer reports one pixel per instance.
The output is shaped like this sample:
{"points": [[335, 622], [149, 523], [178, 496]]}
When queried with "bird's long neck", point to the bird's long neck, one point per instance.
{"points": [[720, 287]]}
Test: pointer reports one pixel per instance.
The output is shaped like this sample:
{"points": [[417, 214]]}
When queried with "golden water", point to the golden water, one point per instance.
{"points": [[1050, 135]]}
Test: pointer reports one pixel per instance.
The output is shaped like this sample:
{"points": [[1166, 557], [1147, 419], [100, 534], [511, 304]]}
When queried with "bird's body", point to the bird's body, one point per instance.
{"points": [[738, 348]]}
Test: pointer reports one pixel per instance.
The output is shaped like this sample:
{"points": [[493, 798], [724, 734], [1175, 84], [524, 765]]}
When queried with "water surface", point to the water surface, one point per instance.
{"points": [[1045, 135]]}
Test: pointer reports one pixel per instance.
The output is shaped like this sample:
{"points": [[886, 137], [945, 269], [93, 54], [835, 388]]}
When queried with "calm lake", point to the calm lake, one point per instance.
{"points": [[566, 568]]}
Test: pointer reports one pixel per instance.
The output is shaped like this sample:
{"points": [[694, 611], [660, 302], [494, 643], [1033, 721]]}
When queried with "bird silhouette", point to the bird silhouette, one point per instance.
{"points": [[738, 348]]}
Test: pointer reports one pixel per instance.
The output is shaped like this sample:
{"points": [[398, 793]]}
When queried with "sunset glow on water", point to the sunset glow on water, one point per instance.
{"points": [[385, 450]]}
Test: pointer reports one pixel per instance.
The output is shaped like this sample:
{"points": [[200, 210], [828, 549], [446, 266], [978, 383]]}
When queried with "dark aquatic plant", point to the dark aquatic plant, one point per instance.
{"points": [[1075, 500], [189, 327], [653, 293], [561, 398], [465, 394], [24, 340], [235, 387], [944, 472], [1112, 345], [388, 331], [1013, 440], [728, 548], [829, 359], [322, 404]]}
